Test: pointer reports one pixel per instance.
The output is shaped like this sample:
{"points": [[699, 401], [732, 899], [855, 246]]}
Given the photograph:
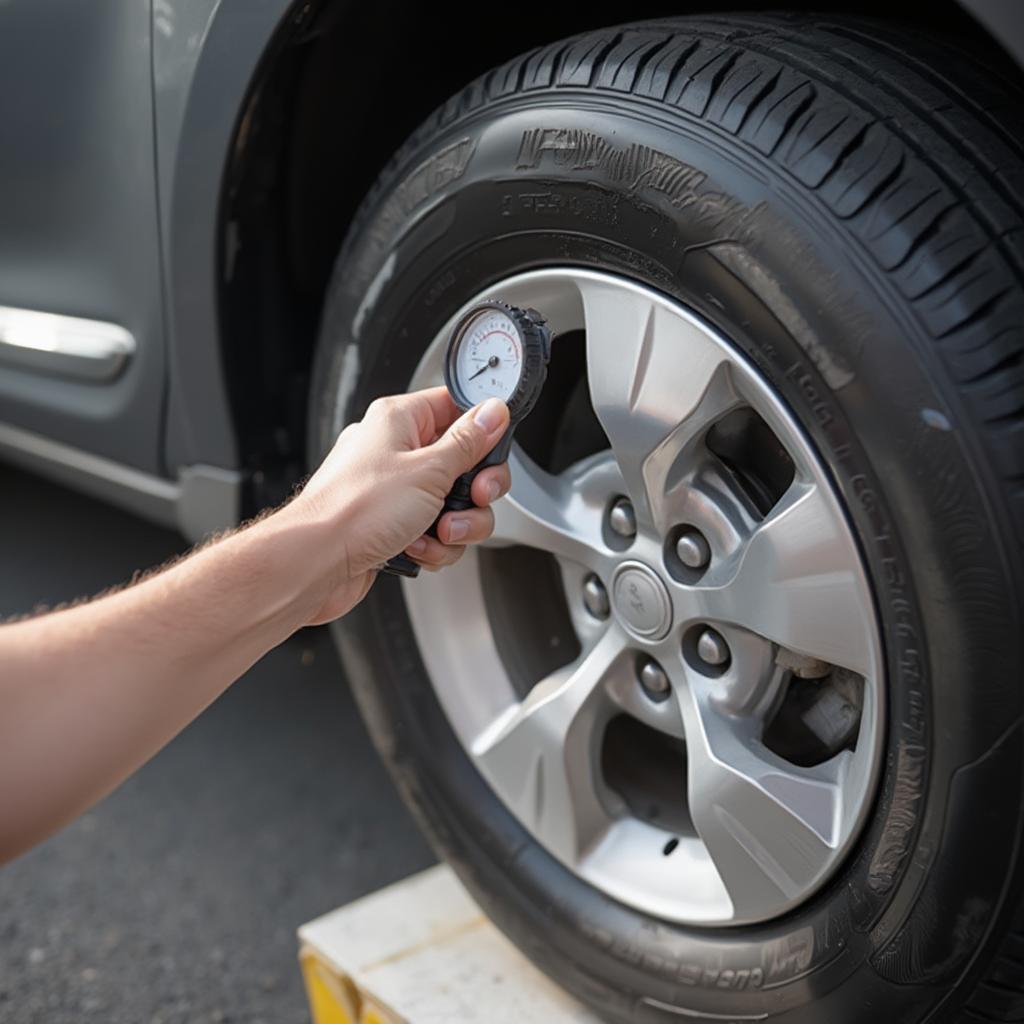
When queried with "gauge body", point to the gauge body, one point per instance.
{"points": [[498, 351], [495, 351]]}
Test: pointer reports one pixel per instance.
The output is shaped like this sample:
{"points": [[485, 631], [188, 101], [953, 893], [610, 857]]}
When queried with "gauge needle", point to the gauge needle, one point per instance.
{"points": [[489, 365]]}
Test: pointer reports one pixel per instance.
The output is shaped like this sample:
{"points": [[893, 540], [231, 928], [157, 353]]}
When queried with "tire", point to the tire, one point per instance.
{"points": [[844, 205]]}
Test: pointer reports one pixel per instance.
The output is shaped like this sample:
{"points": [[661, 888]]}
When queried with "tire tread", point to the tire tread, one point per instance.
{"points": [[873, 125], [916, 147], [940, 215]]}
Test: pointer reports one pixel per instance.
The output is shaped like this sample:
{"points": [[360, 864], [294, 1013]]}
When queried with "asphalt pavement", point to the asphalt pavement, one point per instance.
{"points": [[176, 899]]}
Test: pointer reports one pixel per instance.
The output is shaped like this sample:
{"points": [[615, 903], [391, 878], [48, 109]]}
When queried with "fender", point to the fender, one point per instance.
{"points": [[206, 55]]}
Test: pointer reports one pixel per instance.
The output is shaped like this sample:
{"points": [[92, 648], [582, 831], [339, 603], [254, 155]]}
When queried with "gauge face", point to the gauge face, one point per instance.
{"points": [[487, 358]]}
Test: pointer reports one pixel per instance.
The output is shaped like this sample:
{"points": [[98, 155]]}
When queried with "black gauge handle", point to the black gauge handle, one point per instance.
{"points": [[459, 498]]}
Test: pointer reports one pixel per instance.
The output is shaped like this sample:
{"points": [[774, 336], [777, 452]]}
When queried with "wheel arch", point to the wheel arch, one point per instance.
{"points": [[267, 145]]}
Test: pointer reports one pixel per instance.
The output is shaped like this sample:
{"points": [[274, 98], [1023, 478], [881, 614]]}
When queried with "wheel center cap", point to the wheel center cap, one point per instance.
{"points": [[641, 601]]}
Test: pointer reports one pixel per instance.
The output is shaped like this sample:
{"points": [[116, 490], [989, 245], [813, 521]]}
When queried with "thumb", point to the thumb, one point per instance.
{"points": [[471, 436]]}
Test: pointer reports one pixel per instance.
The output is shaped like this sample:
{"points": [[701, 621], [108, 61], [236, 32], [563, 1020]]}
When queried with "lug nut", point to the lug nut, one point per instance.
{"points": [[654, 681], [622, 518], [712, 648], [692, 549], [595, 597]]}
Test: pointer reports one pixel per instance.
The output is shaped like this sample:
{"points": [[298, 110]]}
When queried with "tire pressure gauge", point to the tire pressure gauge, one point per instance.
{"points": [[495, 351]]}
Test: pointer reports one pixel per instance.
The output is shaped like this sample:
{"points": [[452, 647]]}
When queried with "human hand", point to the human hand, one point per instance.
{"points": [[383, 484]]}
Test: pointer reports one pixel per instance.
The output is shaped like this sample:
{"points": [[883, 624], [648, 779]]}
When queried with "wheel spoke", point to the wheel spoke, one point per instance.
{"points": [[796, 583], [560, 514], [769, 827], [541, 755], [657, 382]]}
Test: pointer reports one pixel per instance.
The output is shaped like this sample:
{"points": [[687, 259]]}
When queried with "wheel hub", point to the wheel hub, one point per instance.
{"points": [[641, 601], [668, 761]]}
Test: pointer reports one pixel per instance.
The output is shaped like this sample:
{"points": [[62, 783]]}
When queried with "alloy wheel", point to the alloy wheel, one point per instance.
{"points": [[708, 746]]}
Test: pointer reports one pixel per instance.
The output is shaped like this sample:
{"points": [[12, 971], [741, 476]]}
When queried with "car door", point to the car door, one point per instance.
{"points": [[81, 337]]}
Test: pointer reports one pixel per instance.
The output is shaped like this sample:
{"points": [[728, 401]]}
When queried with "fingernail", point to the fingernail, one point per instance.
{"points": [[457, 529], [493, 490], [489, 415], [417, 547]]}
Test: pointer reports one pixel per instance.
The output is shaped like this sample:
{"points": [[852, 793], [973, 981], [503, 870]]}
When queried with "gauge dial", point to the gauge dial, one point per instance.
{"points": [[488, 358]]}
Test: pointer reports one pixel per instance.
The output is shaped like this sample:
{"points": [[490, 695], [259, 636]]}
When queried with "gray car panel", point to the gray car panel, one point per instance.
{"points": [[205, 56], [78, 218]]}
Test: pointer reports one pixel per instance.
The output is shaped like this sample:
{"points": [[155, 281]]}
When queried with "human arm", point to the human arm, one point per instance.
{"points": [[89, 693]]}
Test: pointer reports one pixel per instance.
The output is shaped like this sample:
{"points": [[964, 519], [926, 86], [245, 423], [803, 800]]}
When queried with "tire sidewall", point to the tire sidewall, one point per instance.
{"points": [[516, 188]]}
